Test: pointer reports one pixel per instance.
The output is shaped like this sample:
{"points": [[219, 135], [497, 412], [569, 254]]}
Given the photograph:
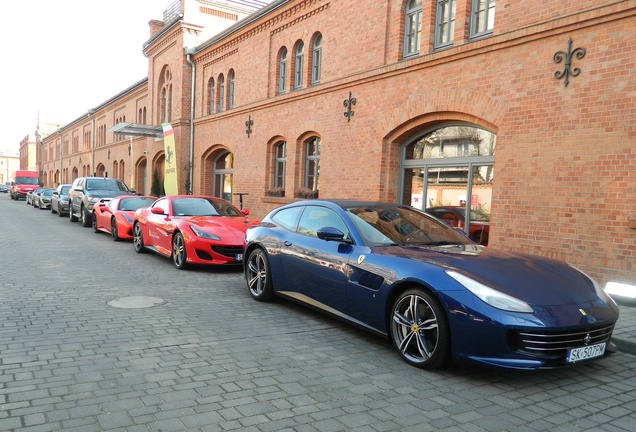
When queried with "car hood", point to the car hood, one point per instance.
{"points": [[536, 280], [223, 226]]}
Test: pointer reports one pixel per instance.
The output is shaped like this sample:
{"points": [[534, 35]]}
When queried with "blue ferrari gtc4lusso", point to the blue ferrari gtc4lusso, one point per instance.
{"points": [[437, 295]]}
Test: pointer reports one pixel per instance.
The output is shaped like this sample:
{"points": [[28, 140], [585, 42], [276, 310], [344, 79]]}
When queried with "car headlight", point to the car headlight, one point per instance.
{"points": [[491, 296], [203, 234], [93, 200]]}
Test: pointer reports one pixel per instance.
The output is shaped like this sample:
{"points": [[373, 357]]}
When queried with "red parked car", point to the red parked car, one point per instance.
{"points": [[192, 229], [455, 216], [115, 216]]}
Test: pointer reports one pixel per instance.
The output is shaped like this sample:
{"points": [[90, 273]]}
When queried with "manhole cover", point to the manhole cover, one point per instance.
{"points": [[136, 302]]}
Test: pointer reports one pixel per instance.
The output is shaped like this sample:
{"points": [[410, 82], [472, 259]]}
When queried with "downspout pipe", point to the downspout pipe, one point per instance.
{"points": [[90, 115], [189, 52]]}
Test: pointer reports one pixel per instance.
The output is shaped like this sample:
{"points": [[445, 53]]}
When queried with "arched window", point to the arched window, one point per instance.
{"points": [[312, 163], [221, 84], [298, 65], [280, 162], [451, 168], [282, 70], [444, 23], [316, 59], [482, 18], [412, 27], [165, 86], [211, 96], [230, 89]]}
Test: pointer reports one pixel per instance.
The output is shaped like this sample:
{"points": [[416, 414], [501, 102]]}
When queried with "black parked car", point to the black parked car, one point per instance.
{"points": [[59, 200], [85, 192]]}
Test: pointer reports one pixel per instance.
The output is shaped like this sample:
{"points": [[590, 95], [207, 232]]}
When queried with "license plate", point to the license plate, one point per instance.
{"points": [[238, 257], [585, 353]]}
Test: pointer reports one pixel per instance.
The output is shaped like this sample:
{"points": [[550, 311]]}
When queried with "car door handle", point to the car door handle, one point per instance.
{"points": [[287, 243]]}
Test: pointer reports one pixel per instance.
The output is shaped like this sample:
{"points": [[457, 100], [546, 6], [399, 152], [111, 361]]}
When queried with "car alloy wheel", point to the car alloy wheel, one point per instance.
{"points": [[71, 216], [258, 276], [138, 238], [179, 251], [420, 329], [113, 229]]}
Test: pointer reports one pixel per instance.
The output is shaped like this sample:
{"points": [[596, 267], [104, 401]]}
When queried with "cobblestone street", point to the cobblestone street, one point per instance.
{"points": [[204, 356]]}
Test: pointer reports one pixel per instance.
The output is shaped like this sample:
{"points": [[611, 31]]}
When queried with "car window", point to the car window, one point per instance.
{"points": [[287, 218], [65, 189], [163, 205], [224, 208], [316, 217]]}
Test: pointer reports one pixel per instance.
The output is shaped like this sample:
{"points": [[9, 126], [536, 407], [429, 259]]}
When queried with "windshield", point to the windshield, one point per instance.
{"points": [[65, 189], [475, 215], [132, 204], [203, 207], [106, 185], [27, 180], [386, 224]]}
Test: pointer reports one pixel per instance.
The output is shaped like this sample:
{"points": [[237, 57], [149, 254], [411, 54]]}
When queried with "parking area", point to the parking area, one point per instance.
{"points": [[94, 337]]}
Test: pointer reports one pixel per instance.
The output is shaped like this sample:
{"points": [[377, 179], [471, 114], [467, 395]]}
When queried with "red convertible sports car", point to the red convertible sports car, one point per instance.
{"points": [[192, 229], [115, 216]]}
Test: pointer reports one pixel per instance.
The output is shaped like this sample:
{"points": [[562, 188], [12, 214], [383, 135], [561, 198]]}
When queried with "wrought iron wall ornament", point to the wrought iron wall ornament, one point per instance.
{"points": [[560, 56], [249, 123], [348, 103]]}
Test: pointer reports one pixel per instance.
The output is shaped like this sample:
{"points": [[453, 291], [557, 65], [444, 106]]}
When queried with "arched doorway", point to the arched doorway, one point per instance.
{"points": [[139, 183], [222, 171], [450, 169]]}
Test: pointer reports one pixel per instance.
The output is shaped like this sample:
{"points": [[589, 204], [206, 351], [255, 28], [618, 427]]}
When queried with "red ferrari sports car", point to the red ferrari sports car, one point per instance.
{"points": [[192, 229], [115, 216]]}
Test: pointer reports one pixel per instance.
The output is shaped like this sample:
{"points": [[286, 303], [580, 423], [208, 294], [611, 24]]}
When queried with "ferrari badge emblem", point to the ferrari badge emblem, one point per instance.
{"points": [[360, 259]]}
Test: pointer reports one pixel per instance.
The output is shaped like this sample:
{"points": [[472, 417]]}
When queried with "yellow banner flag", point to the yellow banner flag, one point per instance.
{"points": [[170, 183]]}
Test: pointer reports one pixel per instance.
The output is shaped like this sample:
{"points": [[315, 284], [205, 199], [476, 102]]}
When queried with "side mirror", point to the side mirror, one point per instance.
{"points": [[133, 192], [157, 211], [331, 234], [245, 212]]}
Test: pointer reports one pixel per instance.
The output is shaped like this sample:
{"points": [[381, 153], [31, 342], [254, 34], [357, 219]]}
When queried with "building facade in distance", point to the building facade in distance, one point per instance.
{"points": [[524, 110]]}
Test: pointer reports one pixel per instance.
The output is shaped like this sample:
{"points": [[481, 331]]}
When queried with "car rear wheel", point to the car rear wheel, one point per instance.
{"points": [[113, 229], [138, 238], [420, 329], [179, 254], [258, 276]]}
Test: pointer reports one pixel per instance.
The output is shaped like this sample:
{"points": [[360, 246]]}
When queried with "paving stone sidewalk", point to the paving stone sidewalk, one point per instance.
{"points": [[625, 331]]}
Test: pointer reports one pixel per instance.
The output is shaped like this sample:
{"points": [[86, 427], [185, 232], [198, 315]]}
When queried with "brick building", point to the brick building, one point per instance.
{"points": [[522, 109]]}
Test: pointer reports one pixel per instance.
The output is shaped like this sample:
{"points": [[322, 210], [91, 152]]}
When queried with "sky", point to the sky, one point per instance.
{"points": [[62, 57]]}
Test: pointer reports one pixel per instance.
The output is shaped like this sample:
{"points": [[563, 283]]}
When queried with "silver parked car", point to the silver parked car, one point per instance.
{"points": [[43, 199]]}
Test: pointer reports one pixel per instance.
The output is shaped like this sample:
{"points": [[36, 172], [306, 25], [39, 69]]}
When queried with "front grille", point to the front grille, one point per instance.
{"points": [[557, 343], [228, 251]]}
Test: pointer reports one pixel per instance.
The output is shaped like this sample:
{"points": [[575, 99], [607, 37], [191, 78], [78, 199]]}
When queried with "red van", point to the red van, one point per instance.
{"points": [[25, 181]]}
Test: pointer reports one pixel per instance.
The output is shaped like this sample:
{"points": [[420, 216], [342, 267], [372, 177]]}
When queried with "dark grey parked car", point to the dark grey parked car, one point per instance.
{"points": [[59, 200], [85, 192]]}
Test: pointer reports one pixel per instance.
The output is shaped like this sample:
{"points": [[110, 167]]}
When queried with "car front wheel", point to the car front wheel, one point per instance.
{"points": [[258, 276], [94, 222], [86, 217], [420, 329], [179, 255], [138, 238], [71, 216]]}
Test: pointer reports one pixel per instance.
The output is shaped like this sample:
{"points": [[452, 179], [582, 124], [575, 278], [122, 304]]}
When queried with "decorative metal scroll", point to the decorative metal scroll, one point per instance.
{"points": [[249, 123], [560, 56], [348, 103]]}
